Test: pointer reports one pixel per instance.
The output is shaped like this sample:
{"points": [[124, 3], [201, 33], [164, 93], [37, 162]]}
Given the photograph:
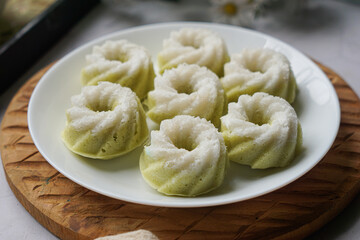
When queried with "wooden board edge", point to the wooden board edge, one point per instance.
{"points": [[321, 221], [52, 226]]}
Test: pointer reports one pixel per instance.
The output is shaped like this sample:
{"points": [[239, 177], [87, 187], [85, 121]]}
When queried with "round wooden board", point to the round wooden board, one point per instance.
{"points": [[73, 212]]}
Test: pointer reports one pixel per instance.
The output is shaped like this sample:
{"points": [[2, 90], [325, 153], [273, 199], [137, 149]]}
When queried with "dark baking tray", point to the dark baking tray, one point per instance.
{"points": [[36, 37]]}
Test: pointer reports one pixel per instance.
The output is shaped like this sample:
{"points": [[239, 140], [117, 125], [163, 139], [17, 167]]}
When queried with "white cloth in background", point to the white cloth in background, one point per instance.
{"points": [[134, 235]]}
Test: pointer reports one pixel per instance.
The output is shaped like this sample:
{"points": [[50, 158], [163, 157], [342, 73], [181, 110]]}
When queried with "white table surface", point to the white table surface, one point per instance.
{"points": [[330, 34]]}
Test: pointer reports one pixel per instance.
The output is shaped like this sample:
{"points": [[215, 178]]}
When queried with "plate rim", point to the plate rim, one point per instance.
{"points": [[178, 25]]}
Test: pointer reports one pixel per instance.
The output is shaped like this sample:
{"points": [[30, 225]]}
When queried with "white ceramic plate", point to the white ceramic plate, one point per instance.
{"points": [[316, 104]]}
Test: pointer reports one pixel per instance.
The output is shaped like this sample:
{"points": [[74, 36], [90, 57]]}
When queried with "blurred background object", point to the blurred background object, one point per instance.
{"points": [[2, 5], [28, 28], [236, 12], [17, 13]]}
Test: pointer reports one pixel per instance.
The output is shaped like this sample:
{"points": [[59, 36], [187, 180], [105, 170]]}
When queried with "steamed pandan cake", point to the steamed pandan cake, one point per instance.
{"points": [[259, 70], [194, 46], [261, 131], [120, 62], [105, 121], [186, 157], [187, 90]]}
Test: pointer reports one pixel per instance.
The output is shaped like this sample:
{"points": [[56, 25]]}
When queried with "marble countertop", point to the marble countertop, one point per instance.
{"points": [[330, 34]]}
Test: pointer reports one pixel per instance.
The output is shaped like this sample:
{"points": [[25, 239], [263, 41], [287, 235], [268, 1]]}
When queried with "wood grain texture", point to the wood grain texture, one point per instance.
{"points": [[73, 212]]}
